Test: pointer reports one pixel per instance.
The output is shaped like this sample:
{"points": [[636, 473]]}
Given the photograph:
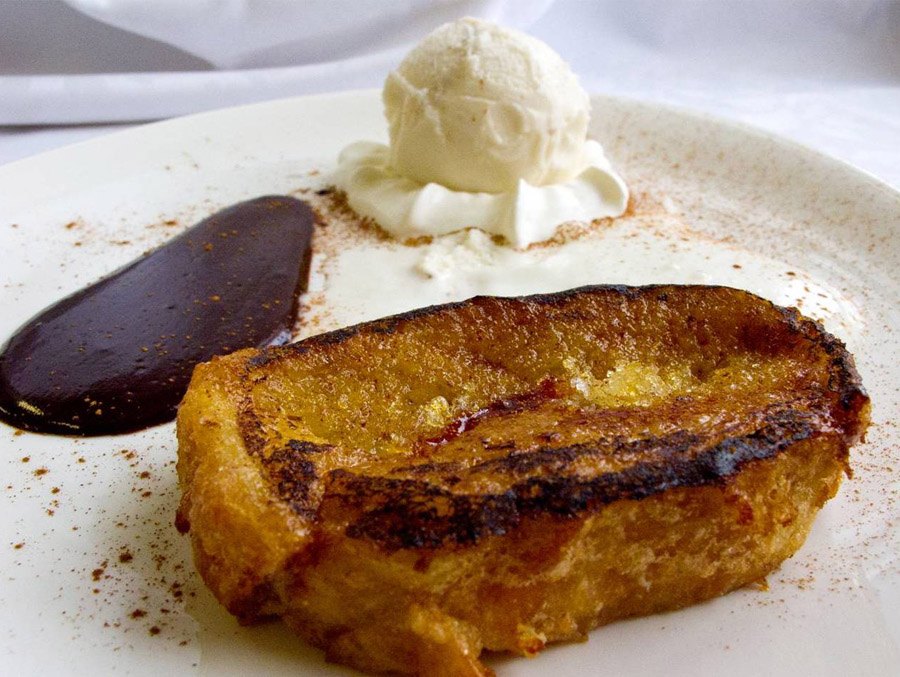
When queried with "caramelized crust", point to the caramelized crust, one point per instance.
{"points": [[502, 473]]}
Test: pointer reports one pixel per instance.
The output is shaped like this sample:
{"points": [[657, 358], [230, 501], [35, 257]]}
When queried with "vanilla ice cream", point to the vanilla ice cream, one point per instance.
{"points": [[488, 129], [476, 107]]}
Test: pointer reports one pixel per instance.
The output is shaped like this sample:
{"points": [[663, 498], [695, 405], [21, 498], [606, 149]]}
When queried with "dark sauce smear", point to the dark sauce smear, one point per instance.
{"points": [[117, 356]]}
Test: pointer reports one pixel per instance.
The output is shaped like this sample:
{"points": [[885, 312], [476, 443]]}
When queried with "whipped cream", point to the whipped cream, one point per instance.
{"points": [[643, 248], [488, 129], [408, 209]]}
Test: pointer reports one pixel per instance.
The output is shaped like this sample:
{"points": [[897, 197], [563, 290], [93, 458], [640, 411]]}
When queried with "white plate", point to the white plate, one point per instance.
{"points": [[72, 601]]}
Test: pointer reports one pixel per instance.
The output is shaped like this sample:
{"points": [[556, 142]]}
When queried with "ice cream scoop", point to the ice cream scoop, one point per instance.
{"points": [[488, 129], [477, 107]]}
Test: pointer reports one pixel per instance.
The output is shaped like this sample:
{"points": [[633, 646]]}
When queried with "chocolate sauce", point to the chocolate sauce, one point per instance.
{"points": [[117, 356]]}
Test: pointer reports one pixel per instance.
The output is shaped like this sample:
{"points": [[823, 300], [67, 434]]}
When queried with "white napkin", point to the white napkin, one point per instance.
{"points": [[263, 49], [233, 34]]}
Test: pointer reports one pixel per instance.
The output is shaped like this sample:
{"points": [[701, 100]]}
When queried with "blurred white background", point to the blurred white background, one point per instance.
{"points": [[824, 72]]}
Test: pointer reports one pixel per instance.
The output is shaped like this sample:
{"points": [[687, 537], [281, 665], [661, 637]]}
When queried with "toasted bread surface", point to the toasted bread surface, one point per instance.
{"points": [[503, 473]]}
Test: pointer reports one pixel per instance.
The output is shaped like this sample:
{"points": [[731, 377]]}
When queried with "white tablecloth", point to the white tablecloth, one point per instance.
{"points": [[825, 73]]}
